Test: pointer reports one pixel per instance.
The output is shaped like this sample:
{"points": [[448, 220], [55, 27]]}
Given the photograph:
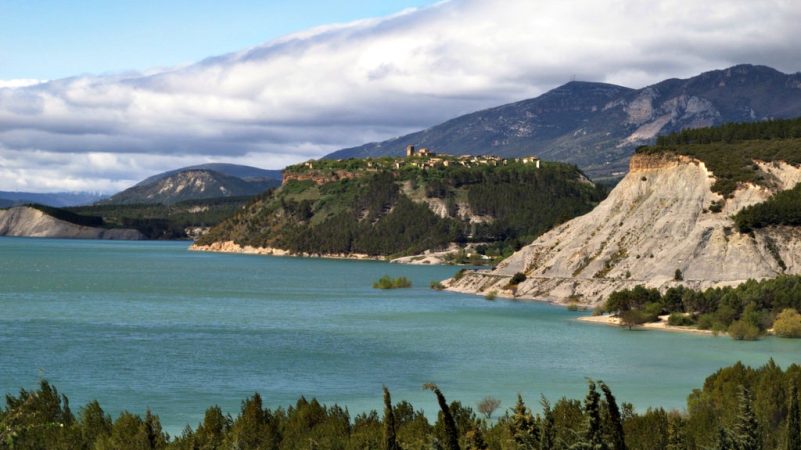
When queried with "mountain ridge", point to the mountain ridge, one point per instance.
{"points": [[598, 125], [198, 182]]}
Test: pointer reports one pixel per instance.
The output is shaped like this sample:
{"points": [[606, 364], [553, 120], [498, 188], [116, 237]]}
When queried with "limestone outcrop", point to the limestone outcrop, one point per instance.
{"points": [[25, 221], [659, 219]]}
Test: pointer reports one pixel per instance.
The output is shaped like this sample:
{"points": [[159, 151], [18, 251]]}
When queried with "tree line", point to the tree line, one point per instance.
{"points": [[745, 312], [738, 408]]}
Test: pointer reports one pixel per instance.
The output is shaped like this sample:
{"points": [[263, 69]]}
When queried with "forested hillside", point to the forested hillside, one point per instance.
{"points": [[393, 206]]}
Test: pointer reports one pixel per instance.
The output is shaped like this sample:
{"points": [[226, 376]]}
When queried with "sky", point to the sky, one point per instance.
{"points": [[97, 95]]}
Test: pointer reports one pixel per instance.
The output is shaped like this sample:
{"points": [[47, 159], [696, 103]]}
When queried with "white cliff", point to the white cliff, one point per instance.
{"points": [[25, 221], [656, 221]]}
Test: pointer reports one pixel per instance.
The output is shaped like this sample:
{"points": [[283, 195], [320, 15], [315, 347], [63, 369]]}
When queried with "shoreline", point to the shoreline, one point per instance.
{"points": [[428, 258], [662, 325]]}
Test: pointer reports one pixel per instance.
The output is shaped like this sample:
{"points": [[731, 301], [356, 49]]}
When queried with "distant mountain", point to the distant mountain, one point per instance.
{"points": [[247, 173], [199, 182], [597, 126], [56, 199]]}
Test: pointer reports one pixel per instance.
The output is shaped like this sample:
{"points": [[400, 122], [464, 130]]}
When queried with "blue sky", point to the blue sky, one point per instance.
{"points": [[48, 39]]}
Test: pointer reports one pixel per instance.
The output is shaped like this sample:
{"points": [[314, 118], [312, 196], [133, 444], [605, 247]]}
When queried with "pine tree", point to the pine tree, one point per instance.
{"points": [[390, 442], [523, 427], [475, 440], [793, 418], [746, 428], [676, 440], [617, 437], [452, 434], [548, 433], [594, 437], [725, 441]]}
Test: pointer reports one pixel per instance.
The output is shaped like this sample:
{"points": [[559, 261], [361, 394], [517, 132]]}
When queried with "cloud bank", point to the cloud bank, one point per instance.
{"points": [[310, 93]]}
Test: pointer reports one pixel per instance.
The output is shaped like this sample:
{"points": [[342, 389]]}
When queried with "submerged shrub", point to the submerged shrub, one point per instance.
{"points": [[743, 330], [788, 324], [437, 286], [387, 282]]}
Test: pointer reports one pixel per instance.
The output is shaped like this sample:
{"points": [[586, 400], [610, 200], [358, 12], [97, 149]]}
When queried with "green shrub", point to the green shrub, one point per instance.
{"points": [[680, 320], [437, 286], [491, 295], [788, 324], [518, 278], [706, 321], [743, 330], [678, 276], [387, 282], [572, 306]]}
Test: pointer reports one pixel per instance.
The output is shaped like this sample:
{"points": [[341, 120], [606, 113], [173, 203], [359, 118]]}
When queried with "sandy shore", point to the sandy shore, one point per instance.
{"points": [[662, 325], [231, 247]]}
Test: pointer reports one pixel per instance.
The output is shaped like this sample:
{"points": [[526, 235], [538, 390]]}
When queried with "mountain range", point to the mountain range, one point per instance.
{"points": [[55, 199], [598, 126]]}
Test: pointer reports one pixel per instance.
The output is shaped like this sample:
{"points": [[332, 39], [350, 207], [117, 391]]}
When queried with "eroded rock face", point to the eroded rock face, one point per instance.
{"points": [[24, 221], [656, 221]]}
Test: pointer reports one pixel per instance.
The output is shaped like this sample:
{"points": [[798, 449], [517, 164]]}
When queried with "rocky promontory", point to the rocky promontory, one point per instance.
{"points": [[25, 221], [661, 226]]}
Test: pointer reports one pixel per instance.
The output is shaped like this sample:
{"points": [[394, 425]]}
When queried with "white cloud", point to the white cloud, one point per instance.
{"points": [[313, 92], [20, 82]]}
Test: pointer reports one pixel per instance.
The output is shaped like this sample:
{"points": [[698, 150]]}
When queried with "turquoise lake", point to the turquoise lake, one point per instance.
{"points": [[149, 324]]}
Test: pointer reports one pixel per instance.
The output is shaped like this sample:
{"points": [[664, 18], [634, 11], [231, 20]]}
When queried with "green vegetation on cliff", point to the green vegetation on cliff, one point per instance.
{"points": [[738, 407], [387, 206], [730, 151], [154, 221], [784, 208]]}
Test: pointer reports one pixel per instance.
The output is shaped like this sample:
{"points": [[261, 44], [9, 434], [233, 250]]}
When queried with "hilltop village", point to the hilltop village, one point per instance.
{"points": [[325, 170]]}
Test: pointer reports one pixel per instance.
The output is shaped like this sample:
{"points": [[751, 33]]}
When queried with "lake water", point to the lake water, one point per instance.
{"points": [[149, 324]]}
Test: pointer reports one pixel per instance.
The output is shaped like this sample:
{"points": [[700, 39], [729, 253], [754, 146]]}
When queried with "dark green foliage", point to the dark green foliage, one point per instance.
{"points": [[784, 208], [382, 212], [720, 415], [390, 441], [676, 439], [68, 216], [793, 434], [614, 422], [523, 427], [548, 432], [745, 311], [734, 132], [678, 276], [729, 151], [593, 434], [451, 438], [746, 429], [517, 278], [387, 282], [157, 221]]}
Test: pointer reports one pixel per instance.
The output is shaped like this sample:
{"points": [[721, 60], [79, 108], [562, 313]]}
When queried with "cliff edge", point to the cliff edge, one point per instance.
{"points": [[663, 221], [24, 221]]}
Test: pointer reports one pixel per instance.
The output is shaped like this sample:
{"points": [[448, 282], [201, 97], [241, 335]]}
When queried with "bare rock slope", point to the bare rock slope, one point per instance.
{"points": [[25, 221], [655, 222]]}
